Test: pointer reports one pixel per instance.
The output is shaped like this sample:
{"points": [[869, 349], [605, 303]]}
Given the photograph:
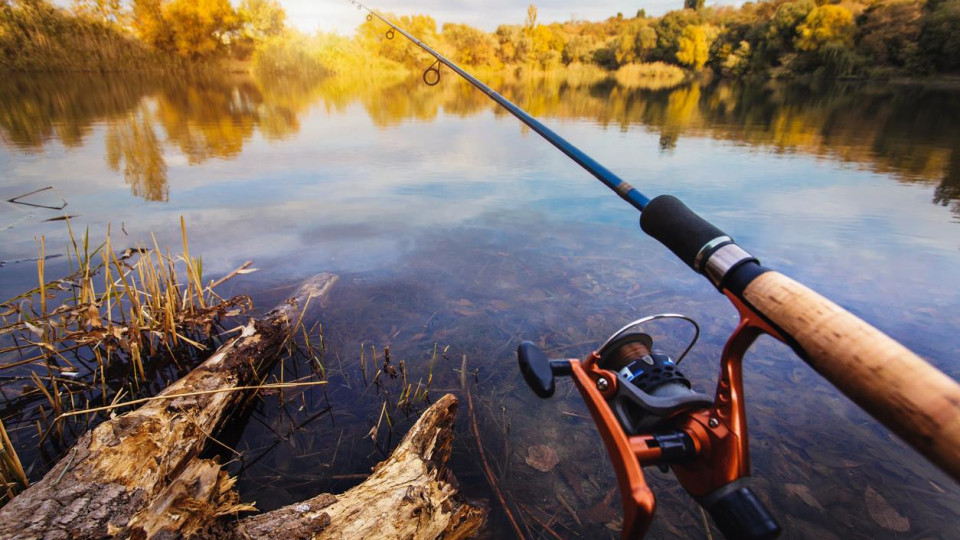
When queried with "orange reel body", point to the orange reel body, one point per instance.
{"points": [[718, 456]]}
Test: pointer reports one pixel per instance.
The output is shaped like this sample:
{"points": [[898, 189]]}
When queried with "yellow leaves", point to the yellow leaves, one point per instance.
{"points": [[199, 25], [262, 18], [825, 25], [694, 46], [470, 45], [189, 28]]}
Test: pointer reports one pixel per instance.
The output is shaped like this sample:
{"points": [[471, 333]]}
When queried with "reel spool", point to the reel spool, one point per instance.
{"points": [[647, 413], [651, 386]]}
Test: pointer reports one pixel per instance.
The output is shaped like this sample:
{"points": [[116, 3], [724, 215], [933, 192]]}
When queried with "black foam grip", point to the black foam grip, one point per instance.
{"points": [[740, 515], [674, 225]]}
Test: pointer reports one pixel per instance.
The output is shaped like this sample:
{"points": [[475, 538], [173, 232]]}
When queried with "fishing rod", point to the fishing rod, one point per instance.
{"points": [[432, 76], [645, 408]]}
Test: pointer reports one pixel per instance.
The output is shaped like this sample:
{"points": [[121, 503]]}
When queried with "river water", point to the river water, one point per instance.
{"points": [[458, 233]]}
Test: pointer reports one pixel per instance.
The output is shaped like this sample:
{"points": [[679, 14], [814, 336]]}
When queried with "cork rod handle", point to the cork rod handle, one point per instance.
{"points": [[901, 390]]}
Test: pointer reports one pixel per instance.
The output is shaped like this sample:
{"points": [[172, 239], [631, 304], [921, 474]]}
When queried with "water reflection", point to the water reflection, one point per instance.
{"points": [[456, 239], [907, 132], [133, 146]]}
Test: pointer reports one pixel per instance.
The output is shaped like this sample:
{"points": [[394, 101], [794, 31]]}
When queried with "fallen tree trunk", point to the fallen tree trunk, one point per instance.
{"points": [[138, 475], [409, 496], [119, 468]]}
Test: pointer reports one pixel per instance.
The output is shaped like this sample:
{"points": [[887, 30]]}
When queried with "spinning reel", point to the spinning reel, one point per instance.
{"points": [[648, 414]]}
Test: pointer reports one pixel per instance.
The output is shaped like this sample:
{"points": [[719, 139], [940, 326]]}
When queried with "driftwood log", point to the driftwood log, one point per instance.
{"points": [[411, 496], [138, 475]]}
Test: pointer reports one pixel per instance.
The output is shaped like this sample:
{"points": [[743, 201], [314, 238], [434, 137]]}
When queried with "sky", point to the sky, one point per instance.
{"points": [[342, 17]]}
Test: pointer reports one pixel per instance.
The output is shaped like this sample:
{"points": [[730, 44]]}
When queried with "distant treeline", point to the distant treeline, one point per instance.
{"points": [[111, 35], [772, 38]]}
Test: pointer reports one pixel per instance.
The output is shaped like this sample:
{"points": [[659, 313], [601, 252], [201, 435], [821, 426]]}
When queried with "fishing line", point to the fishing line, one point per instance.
{"points": [[432, 77]]}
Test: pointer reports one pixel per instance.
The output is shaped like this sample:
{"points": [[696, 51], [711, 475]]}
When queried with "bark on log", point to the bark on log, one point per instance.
{"points": [[409, 496], [137, 475], [123, 465]]}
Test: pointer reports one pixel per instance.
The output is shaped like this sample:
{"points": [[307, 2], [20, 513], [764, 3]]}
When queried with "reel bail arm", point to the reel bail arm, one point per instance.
{"points": [[705, 441]]}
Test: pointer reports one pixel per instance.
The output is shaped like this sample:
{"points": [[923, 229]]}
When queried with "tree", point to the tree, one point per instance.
{"points": [[372, 35], [940, 38], [825, 25], [547, 45], [200, 26], [531, 22], [695, 5], [471, 46], [101, 10], [782, 29], [645, 41], [887, 32], [262, 18], [514, 44], [151, 27], [670, 28], [579, 49], [694, 47], [193, 29], [736, 61]]}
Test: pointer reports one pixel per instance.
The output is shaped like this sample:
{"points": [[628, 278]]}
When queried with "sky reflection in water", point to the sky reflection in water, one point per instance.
{"points": [[451, 224]]}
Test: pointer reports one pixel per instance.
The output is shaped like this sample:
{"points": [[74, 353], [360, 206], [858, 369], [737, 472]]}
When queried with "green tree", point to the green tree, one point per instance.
{"points": [[781, 31], [579, 48], [737, 60], [888, 31], [694, 47], [696, 5], [825, 25], [645, 41], [669, 29], [940, 38]]}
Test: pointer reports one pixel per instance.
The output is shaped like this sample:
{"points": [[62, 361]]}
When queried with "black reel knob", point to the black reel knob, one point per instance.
{"points": [[740, 515], [538, 370]]}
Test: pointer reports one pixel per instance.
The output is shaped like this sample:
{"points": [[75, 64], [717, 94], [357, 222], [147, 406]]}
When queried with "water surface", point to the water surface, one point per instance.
{"points": [[458, 232]]}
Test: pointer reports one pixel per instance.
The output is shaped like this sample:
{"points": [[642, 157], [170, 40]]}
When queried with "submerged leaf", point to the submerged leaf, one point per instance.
{"points": [[603, 511], [542, 458], [804, 494], [883, 514]]}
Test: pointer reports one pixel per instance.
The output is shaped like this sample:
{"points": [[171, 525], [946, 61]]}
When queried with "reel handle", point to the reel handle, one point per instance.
{"points": [[740, 515], [538, 370]]}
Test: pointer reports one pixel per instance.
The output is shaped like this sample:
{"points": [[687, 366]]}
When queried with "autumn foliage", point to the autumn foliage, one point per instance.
{"points": [[769, 39]]}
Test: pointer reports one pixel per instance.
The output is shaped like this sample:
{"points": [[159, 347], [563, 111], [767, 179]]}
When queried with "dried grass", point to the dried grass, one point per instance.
{"points": [[112, 326], [650, 75]]}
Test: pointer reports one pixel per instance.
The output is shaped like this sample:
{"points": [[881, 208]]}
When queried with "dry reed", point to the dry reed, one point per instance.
{"points": [[114, 325], [650, 75]]}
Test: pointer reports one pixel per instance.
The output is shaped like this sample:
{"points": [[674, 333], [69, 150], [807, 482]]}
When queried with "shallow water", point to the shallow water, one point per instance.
{"points": [[456, 230]]}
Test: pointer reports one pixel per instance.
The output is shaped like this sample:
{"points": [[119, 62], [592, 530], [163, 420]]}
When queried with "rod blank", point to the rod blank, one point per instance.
{"points": [[626, 191]]}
